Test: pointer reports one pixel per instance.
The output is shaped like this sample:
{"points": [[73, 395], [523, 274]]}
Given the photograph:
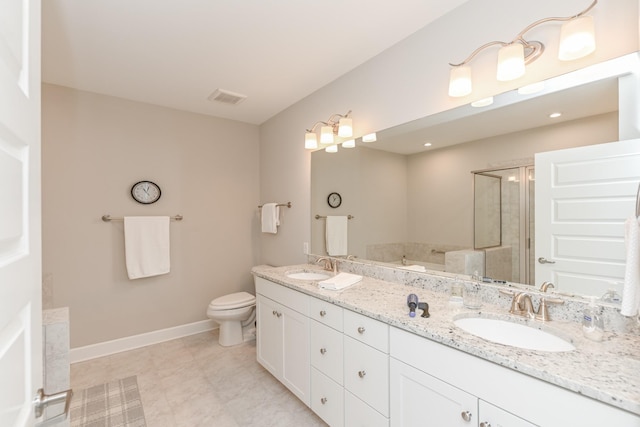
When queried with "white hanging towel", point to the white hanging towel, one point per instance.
{"points": [[270, 217], [336, 235], [631, 290], [146, 244]]}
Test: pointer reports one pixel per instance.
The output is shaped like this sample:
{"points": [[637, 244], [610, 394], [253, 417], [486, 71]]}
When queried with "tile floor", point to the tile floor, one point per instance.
{"points": [[193, 381]]}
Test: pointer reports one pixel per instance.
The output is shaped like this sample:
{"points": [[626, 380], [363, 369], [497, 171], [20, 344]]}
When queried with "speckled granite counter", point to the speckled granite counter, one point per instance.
{"points": [[608, 371]]}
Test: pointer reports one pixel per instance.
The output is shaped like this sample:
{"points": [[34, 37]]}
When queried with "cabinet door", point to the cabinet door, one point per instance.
{"points": [[327, 399], [295, 353], [269, 335], [359, 414], [492, 416], [418, 399]]}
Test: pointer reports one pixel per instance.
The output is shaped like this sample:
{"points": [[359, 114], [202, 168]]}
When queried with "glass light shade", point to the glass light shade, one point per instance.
{"points": [[371, 137], [349, 144], [331, 149], [326, 135], [510, 62], [345, 128], [482, 102], [577, 38], [460, 81], [310, 141]]}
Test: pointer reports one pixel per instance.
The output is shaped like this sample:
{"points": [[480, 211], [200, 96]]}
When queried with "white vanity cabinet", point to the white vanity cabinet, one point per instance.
{"points": [[282, 345], [432, 384]]}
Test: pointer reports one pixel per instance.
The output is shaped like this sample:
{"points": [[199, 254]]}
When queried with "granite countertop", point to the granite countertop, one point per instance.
{"points": [[608, 371]]}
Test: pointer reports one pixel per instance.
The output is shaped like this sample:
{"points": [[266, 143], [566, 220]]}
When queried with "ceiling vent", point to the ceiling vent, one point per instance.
{"points": [[226, 97]]}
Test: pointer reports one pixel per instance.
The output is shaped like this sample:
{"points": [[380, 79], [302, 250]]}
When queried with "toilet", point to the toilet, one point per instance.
{"points": [[236, 315]]}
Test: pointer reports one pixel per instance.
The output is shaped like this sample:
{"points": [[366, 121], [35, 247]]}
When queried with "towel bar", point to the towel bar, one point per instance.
{"points": [[324, 217], [109, 218], [288, 204]]}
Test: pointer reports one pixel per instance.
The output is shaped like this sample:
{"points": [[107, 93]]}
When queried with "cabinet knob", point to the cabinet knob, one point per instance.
{"points": [[361, 330], [323, 400], [323, 350], [274, 312], [466, 415], [323, 313], [361, 374], [485, 424]]}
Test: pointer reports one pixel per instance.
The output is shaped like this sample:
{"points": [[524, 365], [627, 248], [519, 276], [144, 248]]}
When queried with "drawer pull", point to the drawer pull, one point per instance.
{"points": [[361, 330], [323, 350], [324, 400], [323, 313], [361, 374], [466, 415], [483, 424]]}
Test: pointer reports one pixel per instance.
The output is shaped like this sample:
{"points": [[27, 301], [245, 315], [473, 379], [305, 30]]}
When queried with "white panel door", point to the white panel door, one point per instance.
{"points": [[583, 197], [20, 249]]}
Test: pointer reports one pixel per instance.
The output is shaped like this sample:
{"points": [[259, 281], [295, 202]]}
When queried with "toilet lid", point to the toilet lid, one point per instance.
{"points": [[238, 299]]}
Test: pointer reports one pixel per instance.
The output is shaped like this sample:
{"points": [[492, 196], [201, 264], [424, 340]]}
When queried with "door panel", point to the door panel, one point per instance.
{"points": [[20, 249], [583, 197]]}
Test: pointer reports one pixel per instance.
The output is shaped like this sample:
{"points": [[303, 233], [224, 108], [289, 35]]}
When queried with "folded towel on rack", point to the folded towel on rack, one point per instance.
{"points": [[146, 243], [270, 218], [336, 235], [631, 289], [340, 281]]}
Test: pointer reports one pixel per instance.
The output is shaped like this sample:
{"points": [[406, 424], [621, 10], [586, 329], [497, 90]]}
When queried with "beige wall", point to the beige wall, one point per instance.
{"points": [[94, 148], [410, 81]]}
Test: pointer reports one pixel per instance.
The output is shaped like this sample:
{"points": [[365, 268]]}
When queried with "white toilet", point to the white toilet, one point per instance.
{"points": [[236, 315]]}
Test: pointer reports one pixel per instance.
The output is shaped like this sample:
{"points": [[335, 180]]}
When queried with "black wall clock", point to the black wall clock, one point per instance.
{"points": [[145, 192], [334, 200]]}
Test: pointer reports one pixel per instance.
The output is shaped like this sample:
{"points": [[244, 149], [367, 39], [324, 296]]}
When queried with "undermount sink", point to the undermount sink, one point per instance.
{"points": [[513, 334], [307, 275]]}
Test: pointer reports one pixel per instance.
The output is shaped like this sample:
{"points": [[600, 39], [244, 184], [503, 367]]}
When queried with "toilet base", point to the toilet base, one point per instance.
{"points": [[232, 333]]}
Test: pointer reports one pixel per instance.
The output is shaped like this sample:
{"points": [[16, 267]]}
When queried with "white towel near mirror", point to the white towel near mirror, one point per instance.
{"points": [[336, 235], [631, 290]]}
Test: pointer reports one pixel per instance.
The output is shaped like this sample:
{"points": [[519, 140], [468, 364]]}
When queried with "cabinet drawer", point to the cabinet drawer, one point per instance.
{"points": [[327, 399], [366, 374], [326, 350], [367, 330], [325, 312], [288, 297], [359, 414]]}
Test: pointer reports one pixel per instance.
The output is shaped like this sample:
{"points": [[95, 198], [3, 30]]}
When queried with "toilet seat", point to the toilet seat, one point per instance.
{"points": [[233, 301]]}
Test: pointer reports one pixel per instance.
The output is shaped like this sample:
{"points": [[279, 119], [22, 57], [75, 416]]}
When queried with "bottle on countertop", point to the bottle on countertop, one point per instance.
{"points": [[592, 323]]}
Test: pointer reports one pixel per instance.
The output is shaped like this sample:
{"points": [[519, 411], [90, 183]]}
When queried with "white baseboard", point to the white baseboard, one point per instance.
{"points": [[106, 348]]}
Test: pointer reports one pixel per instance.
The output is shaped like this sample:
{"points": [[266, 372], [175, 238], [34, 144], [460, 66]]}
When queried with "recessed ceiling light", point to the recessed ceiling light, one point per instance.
{"points": [[427, 144], [554, 115]]}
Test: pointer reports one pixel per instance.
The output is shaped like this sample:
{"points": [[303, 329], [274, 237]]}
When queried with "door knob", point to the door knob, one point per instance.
{"points": [[41, 401], [543, 260]]}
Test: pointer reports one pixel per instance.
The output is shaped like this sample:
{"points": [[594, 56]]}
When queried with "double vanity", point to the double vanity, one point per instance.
{"points": [[356, 357]]}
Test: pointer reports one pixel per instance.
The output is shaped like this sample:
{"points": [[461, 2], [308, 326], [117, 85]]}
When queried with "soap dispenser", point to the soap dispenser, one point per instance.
{"points": [[592, 323]]}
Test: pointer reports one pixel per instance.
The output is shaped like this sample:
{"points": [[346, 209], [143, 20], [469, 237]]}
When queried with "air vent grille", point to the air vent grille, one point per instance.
{"points": [[226, 97]]}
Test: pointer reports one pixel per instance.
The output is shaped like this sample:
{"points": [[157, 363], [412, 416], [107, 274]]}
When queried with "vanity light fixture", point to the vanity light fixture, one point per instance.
{"points": [[370, 137], [576, 41], [336, 124], [484, 102], [351, 143]]}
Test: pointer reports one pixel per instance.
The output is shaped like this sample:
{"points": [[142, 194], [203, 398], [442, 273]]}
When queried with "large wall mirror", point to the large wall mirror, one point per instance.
{"points": [[413, 206]]}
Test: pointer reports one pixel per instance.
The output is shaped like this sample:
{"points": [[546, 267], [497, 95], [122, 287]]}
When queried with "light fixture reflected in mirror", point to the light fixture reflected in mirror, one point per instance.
{"points": [[331, 149], [351, 143], [337, 124], [371, 137], [577, 40]]}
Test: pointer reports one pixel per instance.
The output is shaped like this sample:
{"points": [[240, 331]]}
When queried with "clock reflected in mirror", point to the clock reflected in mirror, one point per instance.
{"points": [[146, 192]]}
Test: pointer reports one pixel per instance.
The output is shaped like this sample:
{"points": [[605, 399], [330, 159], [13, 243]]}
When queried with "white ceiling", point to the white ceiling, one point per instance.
{"points": [[176, 53]]}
